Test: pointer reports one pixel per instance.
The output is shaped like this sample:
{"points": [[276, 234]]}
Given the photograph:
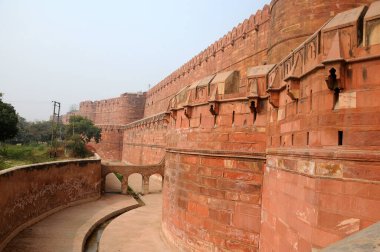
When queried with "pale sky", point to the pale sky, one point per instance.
{"points": [[75, 50]]}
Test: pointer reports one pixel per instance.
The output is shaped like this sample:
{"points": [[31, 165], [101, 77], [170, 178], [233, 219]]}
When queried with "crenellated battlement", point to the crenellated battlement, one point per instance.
{"points": [[241, 31]]}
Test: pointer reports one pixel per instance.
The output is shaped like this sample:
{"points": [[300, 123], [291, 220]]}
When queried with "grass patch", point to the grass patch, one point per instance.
{"points": [[119, 176], [16, 155]]}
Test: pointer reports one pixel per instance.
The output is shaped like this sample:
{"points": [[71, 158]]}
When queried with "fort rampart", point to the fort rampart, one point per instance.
{"points": [[270, 135]]}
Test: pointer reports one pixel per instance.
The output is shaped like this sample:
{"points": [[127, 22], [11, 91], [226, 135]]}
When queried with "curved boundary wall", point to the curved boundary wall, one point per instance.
{"points": [[31, 193]]}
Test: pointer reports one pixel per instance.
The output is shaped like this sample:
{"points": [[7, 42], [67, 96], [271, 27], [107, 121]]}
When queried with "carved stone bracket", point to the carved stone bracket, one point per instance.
{"points": [[253, 95], [293, 87], [274, 96], [187, 110], [335, 65], [173, 114]]}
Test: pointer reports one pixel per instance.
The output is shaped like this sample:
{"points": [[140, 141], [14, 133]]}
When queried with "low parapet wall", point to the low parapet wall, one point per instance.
{"points": [[30, 193]]}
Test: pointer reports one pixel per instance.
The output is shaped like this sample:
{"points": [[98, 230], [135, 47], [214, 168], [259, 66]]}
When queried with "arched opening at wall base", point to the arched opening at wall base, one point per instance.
{"points": [[155, 183], [135, 182], [113, 183]]}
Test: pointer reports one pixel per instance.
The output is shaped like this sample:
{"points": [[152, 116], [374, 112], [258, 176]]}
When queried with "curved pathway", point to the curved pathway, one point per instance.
{"points": [[67, 230], [136, 230]]}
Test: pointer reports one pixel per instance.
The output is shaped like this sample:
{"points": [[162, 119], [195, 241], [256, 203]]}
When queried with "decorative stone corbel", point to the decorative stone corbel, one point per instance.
{"points": [[274, 96], [293, 87], [253, 95], [213, 104], [173, 114], [335, 65], [187, 110]]}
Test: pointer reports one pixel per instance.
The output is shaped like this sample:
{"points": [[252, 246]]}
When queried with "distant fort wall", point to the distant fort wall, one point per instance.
{"points": [[121, 110], [111, 115]]}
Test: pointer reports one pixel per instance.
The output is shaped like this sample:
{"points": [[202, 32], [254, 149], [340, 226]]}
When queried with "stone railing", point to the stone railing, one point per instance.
{"points": [[31, 193]]}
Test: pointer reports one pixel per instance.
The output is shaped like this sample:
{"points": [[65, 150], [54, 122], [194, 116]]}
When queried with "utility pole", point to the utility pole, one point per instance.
{"points": [[55, 120]]}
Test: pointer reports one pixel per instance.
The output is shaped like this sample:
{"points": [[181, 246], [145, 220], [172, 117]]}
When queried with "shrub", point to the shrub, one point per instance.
{"points": [[77, 147]]}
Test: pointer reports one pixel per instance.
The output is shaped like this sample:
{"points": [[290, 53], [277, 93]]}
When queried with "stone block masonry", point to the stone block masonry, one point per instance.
{"points": [[270, 135], [118, 111], [144, 141]]}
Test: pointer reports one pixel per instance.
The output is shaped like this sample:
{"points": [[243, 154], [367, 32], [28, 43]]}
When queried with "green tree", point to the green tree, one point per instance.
{"points": [[80, 131], [83, 127], [22, 135], [32, 132], [41, 131], [8, 121]]}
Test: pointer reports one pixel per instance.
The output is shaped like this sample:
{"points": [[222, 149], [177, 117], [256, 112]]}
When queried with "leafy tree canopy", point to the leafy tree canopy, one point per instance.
{"points": [[83, 127], [8, 121], [32, 132]]}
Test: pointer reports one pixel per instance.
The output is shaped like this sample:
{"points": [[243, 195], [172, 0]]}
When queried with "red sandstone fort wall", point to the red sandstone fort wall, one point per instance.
{"points": [[111, 145], [122, 110], [110, 115], [213, 178], [144, 141], [292, 22], [87, 109], [300, 211], [321, 181], [282, 162], [266, 37], [244, 46]]}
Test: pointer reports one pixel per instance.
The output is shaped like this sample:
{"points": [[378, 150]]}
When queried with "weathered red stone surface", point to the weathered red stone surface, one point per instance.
{"points": [[322, 166], [144, 141], [270, 135], [111, 145], [30, 193], [117, 111]]}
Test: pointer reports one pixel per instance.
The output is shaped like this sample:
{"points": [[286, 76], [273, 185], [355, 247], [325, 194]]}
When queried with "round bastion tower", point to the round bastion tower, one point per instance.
{"points": [[293, 21]]}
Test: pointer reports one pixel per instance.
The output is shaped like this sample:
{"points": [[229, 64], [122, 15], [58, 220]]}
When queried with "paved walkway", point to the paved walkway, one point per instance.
{"points": [[136, 230], [66, 230]]}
